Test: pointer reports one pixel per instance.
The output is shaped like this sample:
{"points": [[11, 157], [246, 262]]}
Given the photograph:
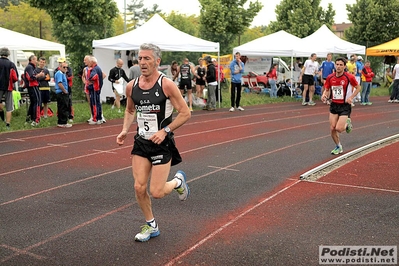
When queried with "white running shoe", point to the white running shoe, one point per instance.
{"points": [[183, 190], [240, 108], [231, 109], [146, 233]]}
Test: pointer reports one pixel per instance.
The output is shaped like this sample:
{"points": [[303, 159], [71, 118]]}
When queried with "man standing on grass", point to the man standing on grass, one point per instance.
{"points": [[336, 88], [61, 90], [8, 76]]}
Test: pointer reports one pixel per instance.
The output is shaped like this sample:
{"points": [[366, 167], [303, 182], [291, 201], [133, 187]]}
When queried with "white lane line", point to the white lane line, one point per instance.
{"points": [[220, 229]]}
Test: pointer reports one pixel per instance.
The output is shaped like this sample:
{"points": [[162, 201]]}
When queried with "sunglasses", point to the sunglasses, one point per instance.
{"points": [[64, 67]]}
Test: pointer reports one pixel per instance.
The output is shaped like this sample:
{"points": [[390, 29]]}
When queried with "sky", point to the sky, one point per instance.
{"points": [[267, 14]]}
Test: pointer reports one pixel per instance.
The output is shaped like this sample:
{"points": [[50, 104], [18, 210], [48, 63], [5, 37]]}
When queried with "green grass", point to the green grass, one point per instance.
{"points": [[82, 112]]}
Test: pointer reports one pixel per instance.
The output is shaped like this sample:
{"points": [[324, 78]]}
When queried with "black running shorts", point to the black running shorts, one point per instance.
{"points": [[308, 79], [340, 109], [157, 153]]}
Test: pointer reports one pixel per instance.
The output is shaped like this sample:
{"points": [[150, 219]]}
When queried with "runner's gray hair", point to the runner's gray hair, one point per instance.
{"points": [[156, 51]]}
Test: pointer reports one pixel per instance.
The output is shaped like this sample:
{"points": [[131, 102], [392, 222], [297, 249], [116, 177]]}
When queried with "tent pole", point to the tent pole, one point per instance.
{"points": [[219, 88]]}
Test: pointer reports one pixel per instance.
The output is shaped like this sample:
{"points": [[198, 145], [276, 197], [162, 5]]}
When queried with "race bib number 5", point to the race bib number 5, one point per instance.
{"points": [[338, 92], [148, 125]]}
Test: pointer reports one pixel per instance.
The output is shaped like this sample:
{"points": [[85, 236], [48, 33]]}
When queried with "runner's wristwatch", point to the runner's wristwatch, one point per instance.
{"points": [[167, 129]]}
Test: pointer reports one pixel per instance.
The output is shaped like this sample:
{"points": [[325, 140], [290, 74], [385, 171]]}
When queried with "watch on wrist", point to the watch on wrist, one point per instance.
{"points": [[167, 129]]}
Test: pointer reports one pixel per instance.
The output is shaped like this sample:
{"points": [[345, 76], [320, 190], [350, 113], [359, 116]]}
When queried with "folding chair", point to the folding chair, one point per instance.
{"points": [[254, 85]]}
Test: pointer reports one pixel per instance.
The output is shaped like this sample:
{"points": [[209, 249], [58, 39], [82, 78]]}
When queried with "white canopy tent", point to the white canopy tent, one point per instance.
{"points": [[324, 41], [280, 43], [15, 41], [156, 31]]}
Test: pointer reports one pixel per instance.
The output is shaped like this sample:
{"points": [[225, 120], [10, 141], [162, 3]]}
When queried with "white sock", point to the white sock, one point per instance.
{"points": [[152, 223], [178, 181]]}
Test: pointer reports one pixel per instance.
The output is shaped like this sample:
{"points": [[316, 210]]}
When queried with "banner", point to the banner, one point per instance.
{"points": [[224, 62]]}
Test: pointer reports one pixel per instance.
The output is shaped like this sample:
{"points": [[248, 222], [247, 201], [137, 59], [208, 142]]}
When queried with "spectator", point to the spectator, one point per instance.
{"points": [[33, 90], [134, 71], [115, 76], [8, 76], [185, 71], [200, 78], [69, 75], [272, 78], [172, 70], [395, 90], [154, 149], [95, 78], [367, 74], [236, 69], [298, 65], [44, 86], [327, 67], [358, 76], [212, 84], [308, 72], [86, 82], [61, 90], [219, 78]]}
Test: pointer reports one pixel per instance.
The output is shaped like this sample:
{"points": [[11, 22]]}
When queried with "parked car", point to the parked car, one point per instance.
{"points": [[261, 80]]}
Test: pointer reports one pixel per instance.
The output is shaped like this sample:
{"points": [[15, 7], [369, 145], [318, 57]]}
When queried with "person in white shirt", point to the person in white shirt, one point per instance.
{"points": [[308, 72]]}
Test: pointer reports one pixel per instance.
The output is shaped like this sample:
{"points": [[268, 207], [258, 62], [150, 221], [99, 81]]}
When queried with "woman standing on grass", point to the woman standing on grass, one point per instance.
{"points": [[272, 78], [367, 78]]}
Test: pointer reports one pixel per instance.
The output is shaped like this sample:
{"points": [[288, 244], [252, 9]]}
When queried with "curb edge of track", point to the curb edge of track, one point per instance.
{"points": [[319, 171]]}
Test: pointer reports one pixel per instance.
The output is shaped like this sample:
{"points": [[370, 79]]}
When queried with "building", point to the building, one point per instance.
{"points": [[339, 29]]}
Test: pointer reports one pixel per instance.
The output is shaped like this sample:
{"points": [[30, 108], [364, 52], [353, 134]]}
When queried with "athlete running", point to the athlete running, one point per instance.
{"points": [[336, 90]]}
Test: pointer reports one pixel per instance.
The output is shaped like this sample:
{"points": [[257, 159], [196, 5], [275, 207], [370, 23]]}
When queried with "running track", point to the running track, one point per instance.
{"points": [[66, 195]]}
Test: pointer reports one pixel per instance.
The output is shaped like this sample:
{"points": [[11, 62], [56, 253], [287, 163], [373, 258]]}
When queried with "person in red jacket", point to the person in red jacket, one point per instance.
{"points": [[8, 76], [33, 89], [367, 78]]}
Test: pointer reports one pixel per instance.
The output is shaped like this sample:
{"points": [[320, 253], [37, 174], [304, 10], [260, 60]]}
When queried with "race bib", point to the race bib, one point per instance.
{"points": [[338, 92], [148, 125]]}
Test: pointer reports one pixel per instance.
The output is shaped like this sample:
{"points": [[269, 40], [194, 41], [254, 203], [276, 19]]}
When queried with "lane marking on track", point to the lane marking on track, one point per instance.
{"points": [[223, 168], [102, 151], [183, 152], [57, 145], [18, 252], [20, 140], [352, 186], [25, 250], [64, 185], [232, 221]]}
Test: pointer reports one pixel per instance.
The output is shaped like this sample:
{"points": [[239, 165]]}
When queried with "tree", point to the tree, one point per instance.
{"points": [[28, 20], [224, 21], [187, 24], [139, 13], [77, 23], [374, 21], [301, 17]]}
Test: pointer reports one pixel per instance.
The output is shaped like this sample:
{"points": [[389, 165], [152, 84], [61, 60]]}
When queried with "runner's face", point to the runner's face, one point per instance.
{"points": [[147, 62], [339, 67]]}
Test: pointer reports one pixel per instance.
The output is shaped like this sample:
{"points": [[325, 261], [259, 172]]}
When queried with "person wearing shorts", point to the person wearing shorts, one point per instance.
{"points": [[44, 86], [185, 70], [338, 90], [149, 99], [308, 72]]}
